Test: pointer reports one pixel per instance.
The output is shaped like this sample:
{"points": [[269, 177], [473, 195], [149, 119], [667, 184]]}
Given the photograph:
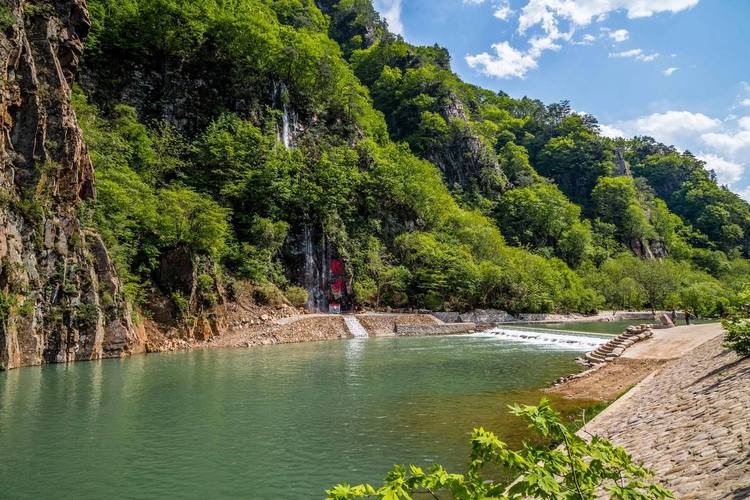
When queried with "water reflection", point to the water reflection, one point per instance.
{"points": [[353, 353], [240, 423]]}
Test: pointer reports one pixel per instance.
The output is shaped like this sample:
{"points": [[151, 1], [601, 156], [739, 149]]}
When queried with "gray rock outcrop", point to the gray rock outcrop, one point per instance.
{"points": [[60, 299]]}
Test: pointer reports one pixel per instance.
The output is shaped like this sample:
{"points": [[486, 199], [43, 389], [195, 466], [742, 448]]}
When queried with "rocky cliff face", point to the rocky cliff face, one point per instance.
{"points": [[464, 159], [60, 299]]}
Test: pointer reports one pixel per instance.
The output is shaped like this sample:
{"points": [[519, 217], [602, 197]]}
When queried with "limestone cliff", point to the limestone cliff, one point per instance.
{"points": [[60, 299]]}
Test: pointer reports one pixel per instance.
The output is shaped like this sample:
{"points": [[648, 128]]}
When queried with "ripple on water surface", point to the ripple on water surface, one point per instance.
{"points": [[268, 422]]}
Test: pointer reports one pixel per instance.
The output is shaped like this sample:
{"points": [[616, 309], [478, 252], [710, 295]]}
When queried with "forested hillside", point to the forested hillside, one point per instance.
{"points": [[298, 151], [302, 145]]}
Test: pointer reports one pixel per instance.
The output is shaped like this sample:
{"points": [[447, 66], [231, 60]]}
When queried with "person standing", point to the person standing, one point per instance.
{"points": [[674, 317], [687, 317]]}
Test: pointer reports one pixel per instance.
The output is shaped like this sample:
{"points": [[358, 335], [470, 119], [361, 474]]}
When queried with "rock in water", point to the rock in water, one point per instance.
{"points": [[60, 299]]}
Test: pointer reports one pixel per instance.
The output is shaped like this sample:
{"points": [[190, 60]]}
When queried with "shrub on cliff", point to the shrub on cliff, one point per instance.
{"points": [[577, 468], [297, 296]]}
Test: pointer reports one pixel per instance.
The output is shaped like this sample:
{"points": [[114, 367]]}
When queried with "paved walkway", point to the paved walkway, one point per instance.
{"points": [[689, 421], [671, 343]]}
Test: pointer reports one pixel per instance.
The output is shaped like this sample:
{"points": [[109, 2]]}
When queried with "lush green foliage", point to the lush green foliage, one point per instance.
{"points": [[138, 215], [572, 467], [412, 177], [738, 335], [737, 326]]}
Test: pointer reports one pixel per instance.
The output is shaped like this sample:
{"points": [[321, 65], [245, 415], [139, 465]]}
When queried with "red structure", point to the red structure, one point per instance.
{"points": [[337, 282]]}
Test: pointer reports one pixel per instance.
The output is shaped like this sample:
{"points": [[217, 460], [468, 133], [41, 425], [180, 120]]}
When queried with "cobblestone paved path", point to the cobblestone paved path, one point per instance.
{"points": [[690, 423]]}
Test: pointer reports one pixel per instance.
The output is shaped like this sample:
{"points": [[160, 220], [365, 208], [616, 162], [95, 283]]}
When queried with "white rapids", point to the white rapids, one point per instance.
{"points": [[560, 340]]}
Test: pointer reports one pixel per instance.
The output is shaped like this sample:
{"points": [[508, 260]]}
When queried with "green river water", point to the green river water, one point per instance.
{"points": [[269, 422]]}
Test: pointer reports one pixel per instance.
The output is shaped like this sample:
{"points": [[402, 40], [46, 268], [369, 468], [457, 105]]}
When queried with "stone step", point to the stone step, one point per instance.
{"points": [[614, 348], [594, 357]]}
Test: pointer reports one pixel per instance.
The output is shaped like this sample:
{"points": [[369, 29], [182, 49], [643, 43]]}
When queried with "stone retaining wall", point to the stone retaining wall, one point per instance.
{"points": [[385, 324], [494, 316], [437, 329]]}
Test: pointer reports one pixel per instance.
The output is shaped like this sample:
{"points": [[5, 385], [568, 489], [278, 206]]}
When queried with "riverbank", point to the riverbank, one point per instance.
{"points": [[247, 325], [313, 328], [637, 362], [686, 414], [689, 421]]}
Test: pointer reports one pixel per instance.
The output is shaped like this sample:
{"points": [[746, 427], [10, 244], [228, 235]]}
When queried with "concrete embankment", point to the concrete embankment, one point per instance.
{"points": [[379, 324], [689, 419], [496, 316], [306, 328], [316, 327], [437, 329]]}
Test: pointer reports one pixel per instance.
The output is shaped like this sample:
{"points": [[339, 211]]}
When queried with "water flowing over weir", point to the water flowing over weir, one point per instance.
{"points": [[561, 340], [355, 327]]}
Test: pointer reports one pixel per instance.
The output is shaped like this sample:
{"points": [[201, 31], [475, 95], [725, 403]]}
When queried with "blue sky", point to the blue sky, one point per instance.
{"points": [[677, 70]]}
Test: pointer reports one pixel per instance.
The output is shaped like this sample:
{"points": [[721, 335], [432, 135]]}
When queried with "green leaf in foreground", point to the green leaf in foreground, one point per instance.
{"points": [[571, 467]]}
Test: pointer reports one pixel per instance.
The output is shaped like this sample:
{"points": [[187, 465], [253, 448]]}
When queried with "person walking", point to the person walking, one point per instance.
{"points": [[687, 317], [674, 317]]}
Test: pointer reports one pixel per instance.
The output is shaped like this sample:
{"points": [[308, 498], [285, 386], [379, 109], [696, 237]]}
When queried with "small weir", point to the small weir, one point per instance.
{"points": [[355, 327], [552, 338]]}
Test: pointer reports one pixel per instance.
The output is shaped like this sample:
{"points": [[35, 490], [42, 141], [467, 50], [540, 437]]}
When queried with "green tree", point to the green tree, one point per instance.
{"points": [[575, 160], [658, 279], [514, 161], [537, 215], [737, 335], [616, 201], [576, 468], [705, 299]]}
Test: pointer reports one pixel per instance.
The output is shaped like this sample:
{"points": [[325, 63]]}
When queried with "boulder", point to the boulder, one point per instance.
{"points": [[666, 320]]}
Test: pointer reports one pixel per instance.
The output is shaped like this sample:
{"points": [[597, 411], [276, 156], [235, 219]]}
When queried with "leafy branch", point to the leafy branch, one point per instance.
{"points": [[576, 469]]}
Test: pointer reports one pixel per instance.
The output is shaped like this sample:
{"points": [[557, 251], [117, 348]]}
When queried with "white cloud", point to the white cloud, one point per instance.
{"points": [[669, 127], [727, 172], [672, 123], [727, 142], [619, 35], [539, 45], [503, 11], [627, 53], [506, 63], [582, 12], [636, 54], [669, 71], [745, 102], [558, 21], [391, 11], [587, 39], [745, 193], [723, 144], [611, 132]]}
